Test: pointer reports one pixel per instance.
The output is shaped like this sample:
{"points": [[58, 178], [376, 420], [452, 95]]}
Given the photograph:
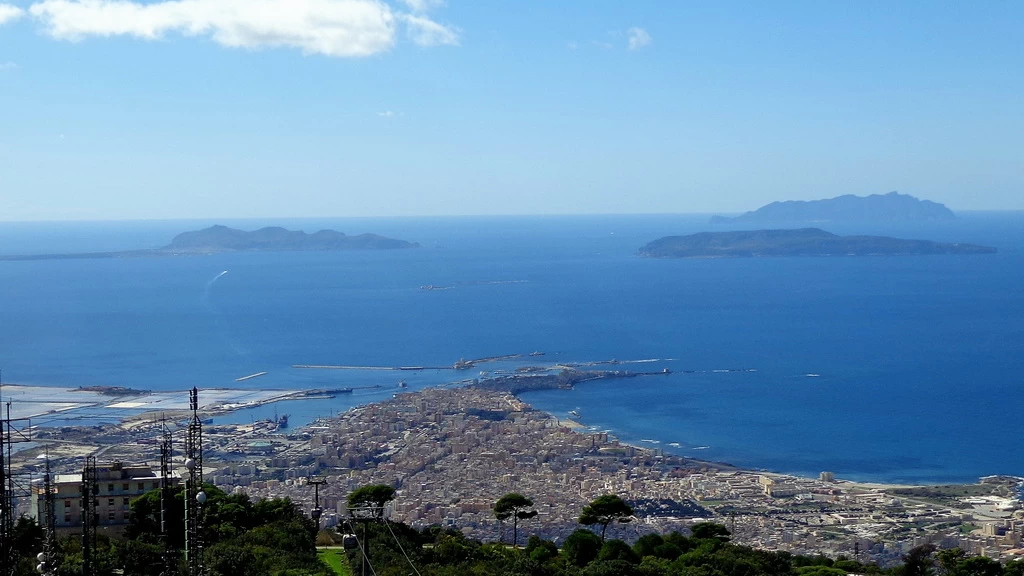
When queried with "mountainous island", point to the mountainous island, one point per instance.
{"points": [[277, 239], [800, 242], [877, 208], [219, 239]]}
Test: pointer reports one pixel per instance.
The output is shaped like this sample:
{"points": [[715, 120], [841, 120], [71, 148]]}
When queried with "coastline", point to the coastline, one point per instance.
{"points": [[452, 451], [171, 406]]}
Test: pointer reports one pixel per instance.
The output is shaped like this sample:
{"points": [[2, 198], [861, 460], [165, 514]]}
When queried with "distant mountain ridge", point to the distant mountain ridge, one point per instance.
{"points": [[876, 208], [798, 242]]}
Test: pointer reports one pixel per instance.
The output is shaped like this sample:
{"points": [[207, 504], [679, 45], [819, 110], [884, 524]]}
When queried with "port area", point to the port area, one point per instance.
{"points": [[51, 406]]}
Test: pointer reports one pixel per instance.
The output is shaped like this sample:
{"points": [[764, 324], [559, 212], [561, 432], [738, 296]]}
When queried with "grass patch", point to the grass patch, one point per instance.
{"points": [[968, 528], [951, 491], [336, 559]]}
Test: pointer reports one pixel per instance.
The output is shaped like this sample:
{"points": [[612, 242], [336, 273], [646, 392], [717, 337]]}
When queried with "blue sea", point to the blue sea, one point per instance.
{"points": [[903, 369]]}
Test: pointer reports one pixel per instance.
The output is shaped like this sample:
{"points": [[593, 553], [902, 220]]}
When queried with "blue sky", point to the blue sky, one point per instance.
{"points": [[262, 108]]}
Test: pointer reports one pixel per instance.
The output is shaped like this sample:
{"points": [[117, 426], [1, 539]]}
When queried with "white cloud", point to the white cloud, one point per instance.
{"points": [[7, 66], [638, 38], [426, 32], [342, 28], [421, 6], [9, 13], [386, 114]]}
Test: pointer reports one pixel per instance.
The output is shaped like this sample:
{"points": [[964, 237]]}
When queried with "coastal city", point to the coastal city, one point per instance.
{"points": [[451, 453]]}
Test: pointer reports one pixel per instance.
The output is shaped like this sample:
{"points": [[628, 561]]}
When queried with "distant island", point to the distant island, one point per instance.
{"points": [[877, 208], [277, 239], [219, 239], [800, 242]]}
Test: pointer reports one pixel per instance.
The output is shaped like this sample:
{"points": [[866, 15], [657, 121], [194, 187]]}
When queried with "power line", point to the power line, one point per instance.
{"points": [[362, 549], [407, 559]]}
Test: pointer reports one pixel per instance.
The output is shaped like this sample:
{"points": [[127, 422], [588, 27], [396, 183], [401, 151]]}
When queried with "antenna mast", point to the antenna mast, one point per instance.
{"points": [[166, 460], [195, 497]]}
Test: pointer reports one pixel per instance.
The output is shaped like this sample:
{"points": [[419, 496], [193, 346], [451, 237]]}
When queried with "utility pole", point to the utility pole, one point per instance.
{"points": [[316, 483], [365, 514], [195, 497]]}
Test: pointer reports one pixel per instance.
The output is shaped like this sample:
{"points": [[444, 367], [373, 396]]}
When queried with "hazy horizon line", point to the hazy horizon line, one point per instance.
{"points": [[421, 216]]}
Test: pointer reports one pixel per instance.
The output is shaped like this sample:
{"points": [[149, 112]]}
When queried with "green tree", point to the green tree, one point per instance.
{"points": [[710, 531], [611, 568], [374, 497], [819, 571], [617, 550], [919, 561], [581, 547], [604, 510], [138, 558], [540, 550], [949, 560], [27, 541], [1014, 568], [980, 566], [517, 507]]}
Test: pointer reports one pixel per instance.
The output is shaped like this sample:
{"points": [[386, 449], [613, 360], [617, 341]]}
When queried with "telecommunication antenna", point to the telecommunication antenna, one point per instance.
{"points": [[195, 497], [48, 557], [166, 460], [90, 520], [8, 555]]}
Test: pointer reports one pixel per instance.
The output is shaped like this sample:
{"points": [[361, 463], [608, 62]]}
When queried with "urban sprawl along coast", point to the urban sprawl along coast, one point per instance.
{"points": [[452, 452]]}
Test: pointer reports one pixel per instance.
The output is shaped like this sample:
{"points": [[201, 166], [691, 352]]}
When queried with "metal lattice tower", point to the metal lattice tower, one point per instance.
{"points": [[90, 519], [166, 459], [9, 487], [48, 559], [194, 495], [8, 555]]}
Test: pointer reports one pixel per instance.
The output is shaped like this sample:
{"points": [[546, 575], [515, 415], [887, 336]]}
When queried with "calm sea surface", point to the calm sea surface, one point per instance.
{"points": [[896, 369]]}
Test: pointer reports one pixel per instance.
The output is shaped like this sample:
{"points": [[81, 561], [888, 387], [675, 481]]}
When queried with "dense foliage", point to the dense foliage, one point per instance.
{"points": [[240, 536], [272, 538], [398, 550]]}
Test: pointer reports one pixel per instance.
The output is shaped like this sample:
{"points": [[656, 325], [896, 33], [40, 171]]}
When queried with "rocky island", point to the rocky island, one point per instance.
{"points": [[801, 242], [277, 239], [876, 208], [219, 239]]}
